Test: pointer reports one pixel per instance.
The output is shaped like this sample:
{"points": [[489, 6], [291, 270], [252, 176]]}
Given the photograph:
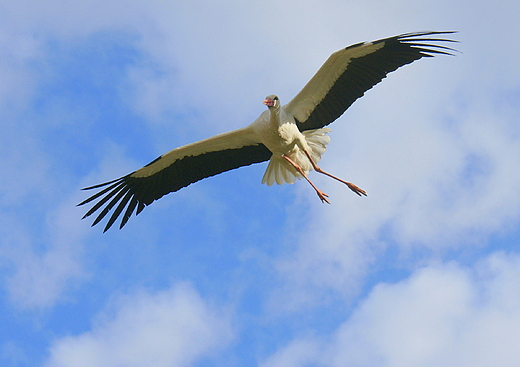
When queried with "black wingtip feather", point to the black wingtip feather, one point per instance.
{"points": [[433, 48], [424, 33], [128, 212], [115, 189], [101, 184], [140, 208], [110, 205], [118, 210], [102, 192]]}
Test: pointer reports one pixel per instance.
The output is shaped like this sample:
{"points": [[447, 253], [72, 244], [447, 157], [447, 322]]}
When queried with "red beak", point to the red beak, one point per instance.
{"points": [[269, 102]]}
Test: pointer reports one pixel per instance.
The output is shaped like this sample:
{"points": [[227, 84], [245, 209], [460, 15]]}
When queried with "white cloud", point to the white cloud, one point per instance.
{"points": [[442, 315], [40, 274], [64, 19], [175, 327], [301, 352], [13, 354], [17, 52]]}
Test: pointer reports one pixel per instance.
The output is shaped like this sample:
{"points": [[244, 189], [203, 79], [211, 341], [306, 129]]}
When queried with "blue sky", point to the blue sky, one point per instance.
{"points": [[425, 271]]}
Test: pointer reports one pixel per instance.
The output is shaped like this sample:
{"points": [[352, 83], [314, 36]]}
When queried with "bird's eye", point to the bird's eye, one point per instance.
{"points": [[275, 99]]}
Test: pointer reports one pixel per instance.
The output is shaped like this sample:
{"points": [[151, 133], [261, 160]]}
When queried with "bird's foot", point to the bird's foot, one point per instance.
{"points": [[356, 189], [323, 197]]}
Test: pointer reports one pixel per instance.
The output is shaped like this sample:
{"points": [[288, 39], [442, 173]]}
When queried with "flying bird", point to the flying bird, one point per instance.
{"points": [[291, 136]]}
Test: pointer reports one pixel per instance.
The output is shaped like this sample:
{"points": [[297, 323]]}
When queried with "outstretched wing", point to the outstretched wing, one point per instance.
{"points": [[349, 73], [174, 170]]}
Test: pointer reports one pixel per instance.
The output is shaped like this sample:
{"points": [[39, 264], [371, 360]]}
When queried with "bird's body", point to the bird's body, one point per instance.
{"points": [[292, 136], [277, 130]]}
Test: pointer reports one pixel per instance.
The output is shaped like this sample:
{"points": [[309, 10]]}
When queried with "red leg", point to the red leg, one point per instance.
{"points": [[323, 197], [350, 185]]}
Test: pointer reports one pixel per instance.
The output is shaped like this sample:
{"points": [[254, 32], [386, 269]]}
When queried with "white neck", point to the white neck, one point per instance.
{"points": [[274, 116]]}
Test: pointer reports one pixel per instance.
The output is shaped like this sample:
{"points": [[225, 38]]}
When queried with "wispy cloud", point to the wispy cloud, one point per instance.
{"points": [[42, 270], [441, 314], [174, 327]]}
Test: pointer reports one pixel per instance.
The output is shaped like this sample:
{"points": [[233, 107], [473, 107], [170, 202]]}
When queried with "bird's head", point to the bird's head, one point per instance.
{"points": [[272, 101]]}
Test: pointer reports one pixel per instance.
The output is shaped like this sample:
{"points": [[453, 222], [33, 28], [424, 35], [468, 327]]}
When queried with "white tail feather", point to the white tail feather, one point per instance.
{"points": [[317, 141], [280, 171]]}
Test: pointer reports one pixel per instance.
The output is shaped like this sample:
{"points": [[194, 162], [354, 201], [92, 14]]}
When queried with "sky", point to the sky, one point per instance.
{"points": [[424, 271]]}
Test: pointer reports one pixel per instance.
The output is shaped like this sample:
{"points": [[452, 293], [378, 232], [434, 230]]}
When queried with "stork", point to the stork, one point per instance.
{"points": [[291, 136]]}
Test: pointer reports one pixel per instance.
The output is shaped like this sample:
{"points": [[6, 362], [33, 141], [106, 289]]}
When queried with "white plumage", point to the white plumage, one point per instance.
{"points": [[292, 136], [280, 171]]}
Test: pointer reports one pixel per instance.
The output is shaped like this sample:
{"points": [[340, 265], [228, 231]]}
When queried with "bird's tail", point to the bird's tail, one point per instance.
{"points": [[280, 171], [317, 141]]}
